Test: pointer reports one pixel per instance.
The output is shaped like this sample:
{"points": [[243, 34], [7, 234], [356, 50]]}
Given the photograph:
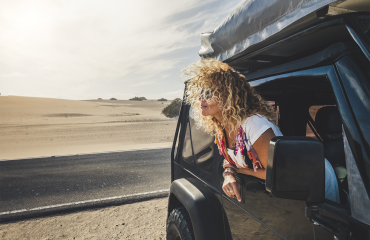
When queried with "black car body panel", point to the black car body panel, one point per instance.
{"points": [[202, 216]]}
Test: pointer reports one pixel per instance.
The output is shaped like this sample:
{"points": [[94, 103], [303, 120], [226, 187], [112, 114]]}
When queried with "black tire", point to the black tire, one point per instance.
{"points": [[179, 225]]}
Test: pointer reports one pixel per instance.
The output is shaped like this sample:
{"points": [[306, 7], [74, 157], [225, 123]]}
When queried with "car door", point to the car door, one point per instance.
{"points": [[261, 216]]}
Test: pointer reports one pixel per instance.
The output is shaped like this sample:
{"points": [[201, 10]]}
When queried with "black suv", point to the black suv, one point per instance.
{"points": [[310, 59]]}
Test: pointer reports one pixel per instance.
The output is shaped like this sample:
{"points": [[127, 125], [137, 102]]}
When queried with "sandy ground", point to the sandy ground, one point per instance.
{"points": [[144, 220], [36, 127]]}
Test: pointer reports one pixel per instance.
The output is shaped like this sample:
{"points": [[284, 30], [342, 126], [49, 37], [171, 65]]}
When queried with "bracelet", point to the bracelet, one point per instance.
{"points": [[229, 170]]}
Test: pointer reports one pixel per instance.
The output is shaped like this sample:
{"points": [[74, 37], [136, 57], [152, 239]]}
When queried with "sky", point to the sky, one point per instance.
{"points": [[89, 49]]}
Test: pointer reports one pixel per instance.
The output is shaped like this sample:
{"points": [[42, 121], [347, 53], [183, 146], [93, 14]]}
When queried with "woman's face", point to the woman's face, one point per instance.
{"points": [[210, 107]]}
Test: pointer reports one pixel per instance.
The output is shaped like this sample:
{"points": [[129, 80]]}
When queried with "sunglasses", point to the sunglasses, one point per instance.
{"points": [[207, 95]]}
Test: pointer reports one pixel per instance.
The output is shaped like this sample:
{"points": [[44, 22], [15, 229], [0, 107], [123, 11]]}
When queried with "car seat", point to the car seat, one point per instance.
{"points": [[329, 126]]}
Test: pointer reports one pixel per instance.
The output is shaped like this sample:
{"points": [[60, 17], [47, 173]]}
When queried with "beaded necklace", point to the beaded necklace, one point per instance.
{"points": [[222, 149], [240, 145]]}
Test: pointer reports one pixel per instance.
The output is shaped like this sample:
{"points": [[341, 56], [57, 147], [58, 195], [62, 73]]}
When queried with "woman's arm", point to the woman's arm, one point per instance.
{"points": [[231, 186], [261, 173]]}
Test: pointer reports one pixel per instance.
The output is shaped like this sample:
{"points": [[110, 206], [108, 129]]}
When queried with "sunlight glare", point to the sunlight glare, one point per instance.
{"points": [[29, 20]]}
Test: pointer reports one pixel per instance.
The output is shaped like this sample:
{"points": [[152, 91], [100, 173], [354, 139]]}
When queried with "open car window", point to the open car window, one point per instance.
{"points": [[297, 100]]}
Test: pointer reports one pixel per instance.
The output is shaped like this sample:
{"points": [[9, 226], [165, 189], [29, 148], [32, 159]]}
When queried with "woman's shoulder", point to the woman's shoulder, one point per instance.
{"points": [[254, 122], [254, 126], [256, 119]]}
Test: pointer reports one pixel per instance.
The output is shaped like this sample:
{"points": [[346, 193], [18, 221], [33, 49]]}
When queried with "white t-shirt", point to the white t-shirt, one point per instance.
{"points": [[253, 128]]}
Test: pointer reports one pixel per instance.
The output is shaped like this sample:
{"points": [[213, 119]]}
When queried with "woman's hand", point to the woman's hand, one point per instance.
{"points": [[231, 186]]}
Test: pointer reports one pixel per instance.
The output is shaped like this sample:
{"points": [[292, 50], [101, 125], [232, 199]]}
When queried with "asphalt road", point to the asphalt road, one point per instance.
{"points": [[33, 183]]}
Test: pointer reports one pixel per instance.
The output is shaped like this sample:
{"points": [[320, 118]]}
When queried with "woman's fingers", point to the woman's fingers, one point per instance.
{"points": [[229, 193], [233, 190], [236, 188], [226, 187]]}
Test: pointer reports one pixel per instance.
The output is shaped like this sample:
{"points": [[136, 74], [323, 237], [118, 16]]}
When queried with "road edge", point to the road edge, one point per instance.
{"points": [[60, 209]]}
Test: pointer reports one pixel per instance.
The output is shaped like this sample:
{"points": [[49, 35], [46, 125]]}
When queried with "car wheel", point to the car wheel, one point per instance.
{"points": [[179, 225]]}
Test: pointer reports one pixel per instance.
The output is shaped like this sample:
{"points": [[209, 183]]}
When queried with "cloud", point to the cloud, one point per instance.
{"points": [[104, 46], [14, 75], [48, 68], [145, 83]]}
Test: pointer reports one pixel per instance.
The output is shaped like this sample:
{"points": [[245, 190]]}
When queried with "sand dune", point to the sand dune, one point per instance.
{"points": [[35, 127]]}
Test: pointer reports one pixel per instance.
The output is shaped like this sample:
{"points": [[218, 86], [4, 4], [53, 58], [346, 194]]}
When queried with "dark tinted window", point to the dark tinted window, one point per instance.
{"points": [[187, 149], [198, 146]]}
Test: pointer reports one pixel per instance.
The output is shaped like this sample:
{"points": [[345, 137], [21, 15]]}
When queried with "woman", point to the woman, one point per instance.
{"points": [[226, 105]]}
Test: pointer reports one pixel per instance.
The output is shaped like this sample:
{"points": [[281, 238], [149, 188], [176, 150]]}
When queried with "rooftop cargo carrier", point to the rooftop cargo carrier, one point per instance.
{"points": [[263, 33]]}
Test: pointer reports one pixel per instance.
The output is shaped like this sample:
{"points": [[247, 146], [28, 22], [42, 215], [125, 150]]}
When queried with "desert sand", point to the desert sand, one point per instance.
{"points": [[38, 127], [144, 220]]}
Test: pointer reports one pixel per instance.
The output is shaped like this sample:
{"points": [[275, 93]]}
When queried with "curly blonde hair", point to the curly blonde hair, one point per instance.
{"points": [[237, 99]]}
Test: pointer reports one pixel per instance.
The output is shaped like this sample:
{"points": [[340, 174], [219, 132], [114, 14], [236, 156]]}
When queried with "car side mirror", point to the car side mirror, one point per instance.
{"points": [[296, 169]]}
